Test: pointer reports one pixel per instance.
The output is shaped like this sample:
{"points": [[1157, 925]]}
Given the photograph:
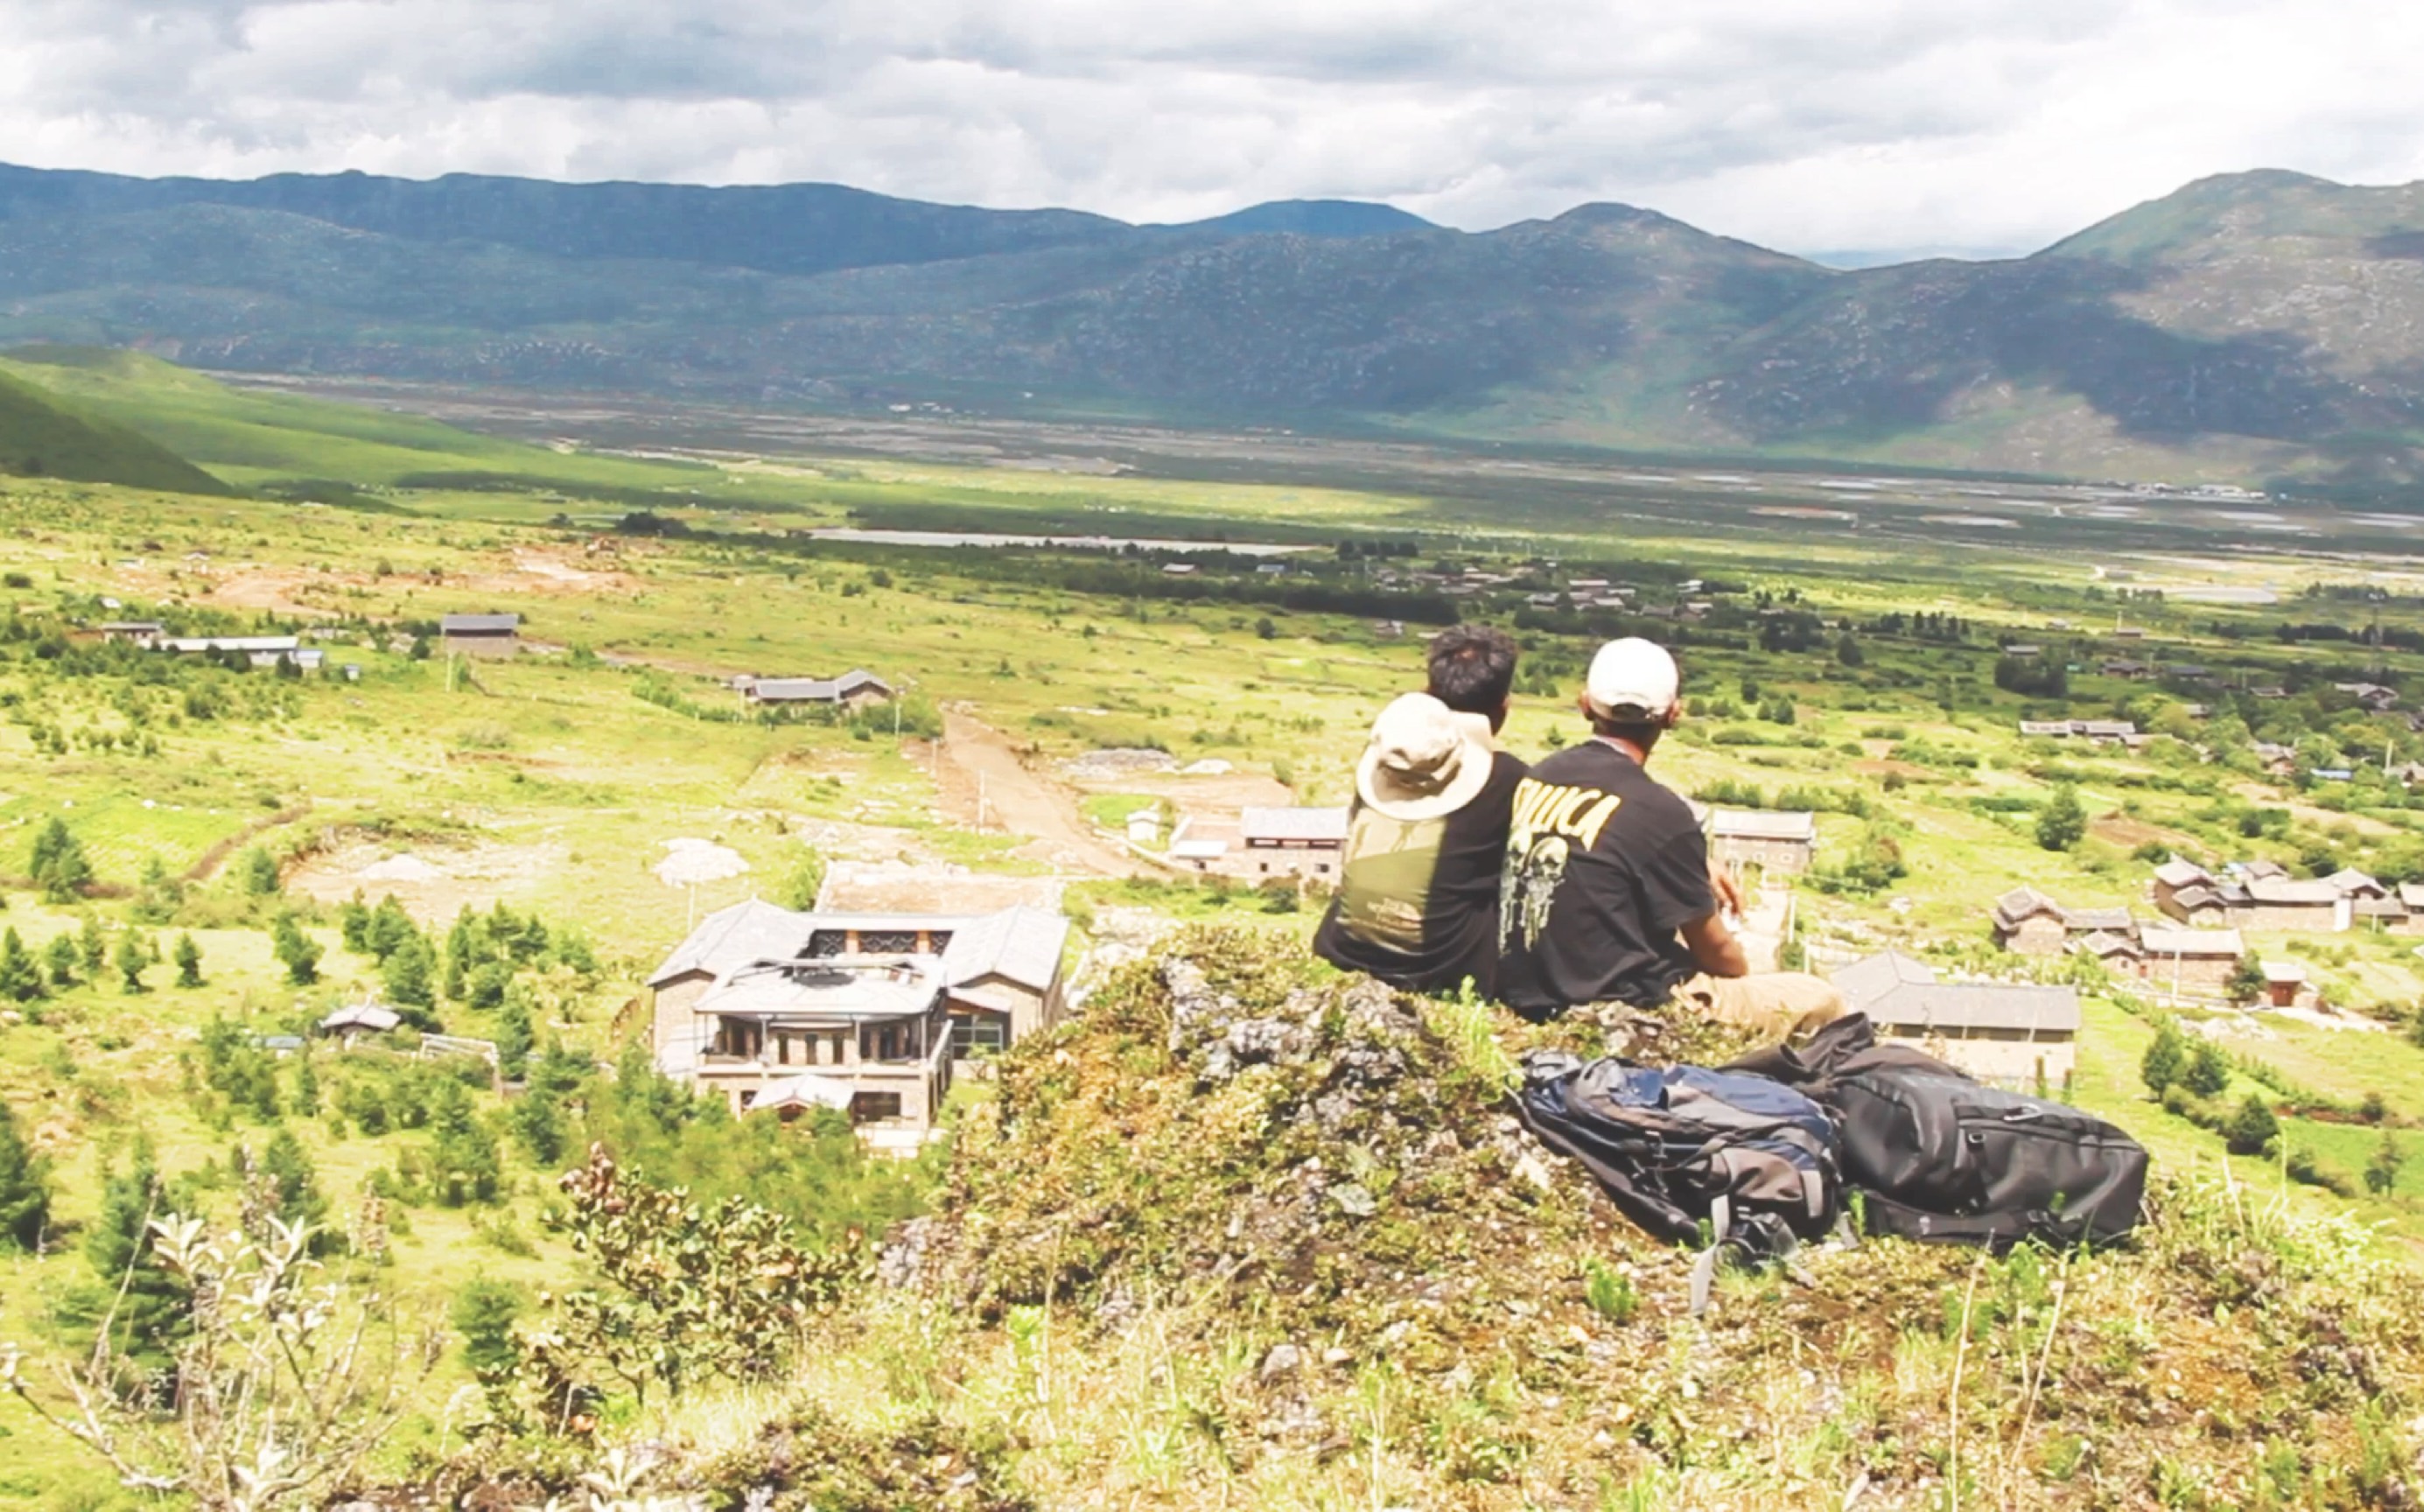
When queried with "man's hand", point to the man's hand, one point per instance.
{"points": [[1714, 948], [1729, 892]]}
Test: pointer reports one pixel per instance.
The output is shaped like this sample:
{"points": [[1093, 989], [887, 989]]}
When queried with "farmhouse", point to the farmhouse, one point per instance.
{"points": [[853, 689], [133, 631], [480, 634], [2201, 958], [2279, 903], [862, 1013], [2027, 922], [2013, 1033], [1303, 842], [1777, 841], [359, 1021]]}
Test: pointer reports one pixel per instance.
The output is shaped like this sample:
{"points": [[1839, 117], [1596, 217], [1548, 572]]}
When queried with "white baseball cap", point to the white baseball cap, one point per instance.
{"points": [[1632, 676]]}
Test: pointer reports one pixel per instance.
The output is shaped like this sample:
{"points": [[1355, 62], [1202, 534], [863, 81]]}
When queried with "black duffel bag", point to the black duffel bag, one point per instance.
{"points": [[1938, 1156]]}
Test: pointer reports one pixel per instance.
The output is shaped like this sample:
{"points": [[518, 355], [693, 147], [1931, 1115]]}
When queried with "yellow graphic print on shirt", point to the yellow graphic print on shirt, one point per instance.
{"points": [[1550, 823]]}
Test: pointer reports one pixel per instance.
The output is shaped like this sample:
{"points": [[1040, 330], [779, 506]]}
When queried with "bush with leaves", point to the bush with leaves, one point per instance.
{"points": [[283, 1388], [2061, 823], [2245, 983], [2251, 1127], [689, 1293]]}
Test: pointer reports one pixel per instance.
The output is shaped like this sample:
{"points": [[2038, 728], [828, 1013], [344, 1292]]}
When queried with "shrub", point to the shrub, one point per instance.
{"points": [[2251, 1127]]}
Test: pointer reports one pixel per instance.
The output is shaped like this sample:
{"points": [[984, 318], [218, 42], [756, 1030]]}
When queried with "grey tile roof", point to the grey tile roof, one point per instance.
{"points": [[2087, 921], [2281, 890], [1022, 944], [1897, 992], [479, 624], [2179, 873], [2191, 944], [733, 937]]}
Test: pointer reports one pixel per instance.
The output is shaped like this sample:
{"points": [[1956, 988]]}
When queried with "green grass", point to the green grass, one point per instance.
{"points": [[45, 437]]}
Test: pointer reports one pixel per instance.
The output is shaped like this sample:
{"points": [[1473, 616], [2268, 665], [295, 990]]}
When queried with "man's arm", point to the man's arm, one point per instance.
{"points": [[1714, 947], [1729, 892]]}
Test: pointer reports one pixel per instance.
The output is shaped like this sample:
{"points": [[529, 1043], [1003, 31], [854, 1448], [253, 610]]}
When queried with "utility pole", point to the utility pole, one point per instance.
{"points": [[980, 800]]}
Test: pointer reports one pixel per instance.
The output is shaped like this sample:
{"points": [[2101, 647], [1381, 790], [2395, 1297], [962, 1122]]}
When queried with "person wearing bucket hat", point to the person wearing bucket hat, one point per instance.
{"points": [[1607, 895], [1417, 902]]}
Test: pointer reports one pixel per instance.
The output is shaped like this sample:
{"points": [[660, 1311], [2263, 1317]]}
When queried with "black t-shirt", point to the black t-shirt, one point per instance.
{"points": [[1417, 902], [1603, 867]]}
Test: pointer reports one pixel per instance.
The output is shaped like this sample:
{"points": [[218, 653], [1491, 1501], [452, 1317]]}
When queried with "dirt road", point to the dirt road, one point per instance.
{"points": [[980, 762]]}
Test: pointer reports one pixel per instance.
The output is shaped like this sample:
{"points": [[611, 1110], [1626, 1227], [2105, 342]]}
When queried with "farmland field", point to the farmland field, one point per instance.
{"points": [[1846, 648]]}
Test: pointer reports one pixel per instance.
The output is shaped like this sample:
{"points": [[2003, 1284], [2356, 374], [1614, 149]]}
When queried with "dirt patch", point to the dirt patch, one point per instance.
{"points": [[433, 882], [2123, 829], [892, 888], [308, 592], [1888, 768], [985, 786]]}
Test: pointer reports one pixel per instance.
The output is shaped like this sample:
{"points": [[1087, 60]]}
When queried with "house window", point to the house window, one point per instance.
{"points": [[972, 1035], [874, 1107], [827, 943], [889, 942]]}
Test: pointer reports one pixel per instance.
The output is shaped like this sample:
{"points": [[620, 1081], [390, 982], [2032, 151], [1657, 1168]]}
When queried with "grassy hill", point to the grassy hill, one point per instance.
{"points": [[44, 436]]}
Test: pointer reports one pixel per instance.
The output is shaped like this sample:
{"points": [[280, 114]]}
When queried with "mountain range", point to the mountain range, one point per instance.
{"points": [[2253, 327]]}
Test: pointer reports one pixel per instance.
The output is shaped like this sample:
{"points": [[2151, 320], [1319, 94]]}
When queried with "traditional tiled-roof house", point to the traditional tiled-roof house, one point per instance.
{"points": [[1307, 842], [2030, 923], [2281, 903], [1774, 840], [2198, 958], [2015, 1033]]}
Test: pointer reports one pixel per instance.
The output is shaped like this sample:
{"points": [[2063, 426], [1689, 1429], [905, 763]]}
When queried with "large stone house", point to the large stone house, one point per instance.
{"points": [[1293, 842], [2027, 922], [2016, 1034], [2194, 960], [853, 689], [480, 634], [1774, 840], [859, 1011], [2261, 895]]}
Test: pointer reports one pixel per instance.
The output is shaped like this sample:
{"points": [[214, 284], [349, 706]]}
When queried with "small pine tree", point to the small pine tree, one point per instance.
{"points": [[61, 955], [514, 1037], [1848, 652], [259, 874], [297, 951], [61, 868], [20, 975], [538, 1124], [2061, 823], [407, 974], [188, 957], [464, 1154], [2164, 1061], [296, 1184], [25, 1187], [132, 960], [2208, 1070], [2245, 983], [146, 1305], [2251, 1127], [307, 1086], [93, 943], [353, 924], [483, 1313], [2382, 1171]]}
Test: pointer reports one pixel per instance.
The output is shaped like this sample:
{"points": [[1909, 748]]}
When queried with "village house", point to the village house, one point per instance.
{"points": [[2027, 922], [2370, 696], [1301, 842], [2281, 903], [861, 1012], [1772, 840], [2012, 1034], [357, 1021], [2094, 731], [2189, 960], [133, 631], [2285, 985], [2119, 954], [853, 689], [2411, 901], [497, 635]]}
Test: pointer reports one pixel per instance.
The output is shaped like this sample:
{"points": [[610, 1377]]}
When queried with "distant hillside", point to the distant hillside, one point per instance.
{"points": [[2249, 327], [42, 437]]}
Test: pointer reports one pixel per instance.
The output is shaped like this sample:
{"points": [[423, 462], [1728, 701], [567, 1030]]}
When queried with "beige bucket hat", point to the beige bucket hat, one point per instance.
{"points": [[1423, 762]]}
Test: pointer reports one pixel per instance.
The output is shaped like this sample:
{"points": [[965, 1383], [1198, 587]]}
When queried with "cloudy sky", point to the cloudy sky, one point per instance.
{"points": [[1888, 126]]}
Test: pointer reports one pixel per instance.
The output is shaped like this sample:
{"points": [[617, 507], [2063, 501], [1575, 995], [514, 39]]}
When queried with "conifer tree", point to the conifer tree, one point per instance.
{"points": [[2164, 1061], [147, 1306], [297, 951], [406, 973], [25, 1187], [188, 957], [59, 868], [93, 945], [132, 960], [20, 975], [62, 957]]}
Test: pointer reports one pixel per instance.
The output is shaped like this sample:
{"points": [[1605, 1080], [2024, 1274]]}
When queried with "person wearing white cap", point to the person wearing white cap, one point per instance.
{"points": [[1607, 895], [1417, 902]]}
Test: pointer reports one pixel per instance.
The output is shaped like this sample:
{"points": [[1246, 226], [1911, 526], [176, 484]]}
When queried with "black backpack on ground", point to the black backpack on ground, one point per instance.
{"points": [[1679, 1146], [1939, 1156]]}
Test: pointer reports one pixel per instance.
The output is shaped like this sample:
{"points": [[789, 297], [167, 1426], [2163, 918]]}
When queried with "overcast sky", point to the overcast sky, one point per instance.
{"points": [[1891, 126]]}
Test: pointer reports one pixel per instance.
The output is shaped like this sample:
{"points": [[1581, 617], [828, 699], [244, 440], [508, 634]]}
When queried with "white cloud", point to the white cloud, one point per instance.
{"points": [[1820, 124]]}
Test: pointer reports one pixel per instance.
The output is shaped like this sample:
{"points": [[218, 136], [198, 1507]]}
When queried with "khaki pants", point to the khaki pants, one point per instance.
{"points": [[1778, 1003]]}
